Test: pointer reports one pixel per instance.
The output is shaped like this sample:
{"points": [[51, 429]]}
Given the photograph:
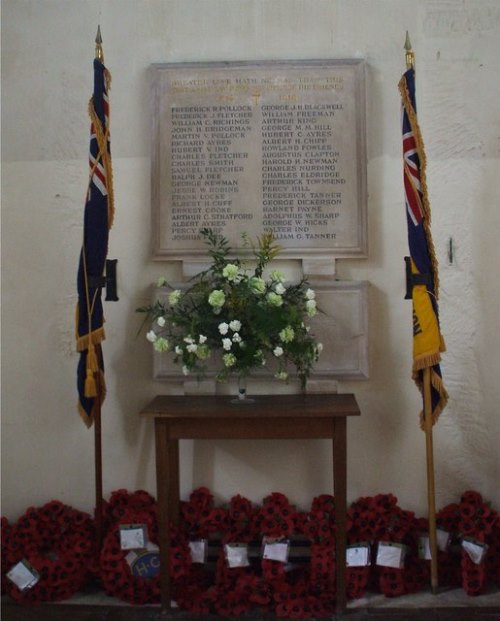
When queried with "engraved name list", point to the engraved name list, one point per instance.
{"points": [[260, 148]]}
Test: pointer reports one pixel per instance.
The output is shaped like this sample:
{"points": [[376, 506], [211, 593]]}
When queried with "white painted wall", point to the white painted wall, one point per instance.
{"points": [[47, 52]]}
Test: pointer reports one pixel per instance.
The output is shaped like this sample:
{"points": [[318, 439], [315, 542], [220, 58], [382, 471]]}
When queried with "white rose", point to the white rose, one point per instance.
{"points": [[278, 351], [174, 297], [311, 307], [161, 344], [151, 336], [310, 294], [227, 344], [223, 328], [280, 289], [161, 321], [277, 276], [202, 339]]}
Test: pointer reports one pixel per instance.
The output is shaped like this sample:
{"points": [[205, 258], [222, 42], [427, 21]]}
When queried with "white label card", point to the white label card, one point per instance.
{"points": [[23, 575], [358, 555], [391, 554], [276, 550], [443, 539], [475, 549], [442, 542], [131, 558], [133, 555], [133, 536], [236, 554], [199, 550]]}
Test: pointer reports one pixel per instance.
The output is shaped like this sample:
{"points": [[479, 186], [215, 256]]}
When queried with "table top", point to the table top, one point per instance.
{"points": [[331, 405]]}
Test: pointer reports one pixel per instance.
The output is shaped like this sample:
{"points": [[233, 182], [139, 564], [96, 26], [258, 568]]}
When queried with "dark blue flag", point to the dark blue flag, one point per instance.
{"points": [[98, 219], [428, 342]]}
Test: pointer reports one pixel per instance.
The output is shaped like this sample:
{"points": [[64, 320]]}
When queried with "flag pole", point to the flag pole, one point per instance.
{"points": [[98, 461], [431, 493], [99, 388], [428, 422]]}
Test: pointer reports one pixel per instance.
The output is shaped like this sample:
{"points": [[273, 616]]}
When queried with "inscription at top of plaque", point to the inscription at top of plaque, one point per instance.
{"points": [[248, 148]]}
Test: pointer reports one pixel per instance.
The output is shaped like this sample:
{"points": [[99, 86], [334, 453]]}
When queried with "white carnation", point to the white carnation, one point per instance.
{"points": [[235, 325], [223, 328]]}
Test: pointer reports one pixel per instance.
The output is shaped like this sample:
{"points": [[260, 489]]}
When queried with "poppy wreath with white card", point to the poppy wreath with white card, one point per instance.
{"points": [[48, 554]]}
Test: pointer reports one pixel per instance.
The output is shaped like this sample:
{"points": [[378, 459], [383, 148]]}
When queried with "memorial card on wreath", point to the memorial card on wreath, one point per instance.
{"points": [[252, 147]]}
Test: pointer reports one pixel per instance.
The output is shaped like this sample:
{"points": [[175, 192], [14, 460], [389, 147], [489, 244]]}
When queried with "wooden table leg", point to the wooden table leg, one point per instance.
{"points": [[174, 482], [340, 493], [163, 492]]}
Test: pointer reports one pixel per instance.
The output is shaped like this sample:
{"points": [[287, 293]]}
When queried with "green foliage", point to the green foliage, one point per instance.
{"points": [[229, 314]]}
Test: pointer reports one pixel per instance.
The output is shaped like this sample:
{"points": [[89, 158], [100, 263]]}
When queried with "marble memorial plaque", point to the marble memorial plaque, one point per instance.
{"points": [[246, 147]]}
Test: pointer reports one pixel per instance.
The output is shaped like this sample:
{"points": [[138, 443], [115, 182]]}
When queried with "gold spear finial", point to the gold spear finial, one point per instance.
{"points": [[410, 56], [98, 45]]}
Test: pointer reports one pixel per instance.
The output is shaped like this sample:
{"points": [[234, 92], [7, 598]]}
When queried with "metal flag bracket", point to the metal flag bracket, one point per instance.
{"points": [[412, 280], [108, 281]]}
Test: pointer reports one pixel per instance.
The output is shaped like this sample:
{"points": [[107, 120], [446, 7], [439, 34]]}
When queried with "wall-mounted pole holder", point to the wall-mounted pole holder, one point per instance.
{"points": [[108, 281]]}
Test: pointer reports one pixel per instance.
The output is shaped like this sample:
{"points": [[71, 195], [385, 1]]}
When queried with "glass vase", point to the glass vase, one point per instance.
{"points": [[242, 397]]}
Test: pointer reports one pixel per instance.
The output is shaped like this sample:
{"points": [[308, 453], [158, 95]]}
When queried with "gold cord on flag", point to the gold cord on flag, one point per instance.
{"points": [[430, 342], [104, 155], [90, 340], [412, 116]]}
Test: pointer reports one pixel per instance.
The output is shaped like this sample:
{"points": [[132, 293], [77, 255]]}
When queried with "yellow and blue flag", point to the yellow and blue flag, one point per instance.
{"points": [[428, 343], [98, 219]]}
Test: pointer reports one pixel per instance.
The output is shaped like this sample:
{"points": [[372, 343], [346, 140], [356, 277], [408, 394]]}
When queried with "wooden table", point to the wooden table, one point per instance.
{"points": [[269, 417]]}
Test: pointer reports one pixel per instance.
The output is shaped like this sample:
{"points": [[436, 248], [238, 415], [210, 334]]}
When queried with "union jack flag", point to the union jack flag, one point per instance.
{"points": [[98, 218], [428, 342]]}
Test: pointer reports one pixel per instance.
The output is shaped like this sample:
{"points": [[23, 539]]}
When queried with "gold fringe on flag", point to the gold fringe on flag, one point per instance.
{"points": [[94, 380], [437, 384], [103, 154], [412, 116], [431, 357]]}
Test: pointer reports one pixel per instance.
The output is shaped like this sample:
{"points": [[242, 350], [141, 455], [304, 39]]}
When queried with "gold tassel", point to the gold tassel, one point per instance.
{"points": [[92, 368], [92, 359], [90, 387]]}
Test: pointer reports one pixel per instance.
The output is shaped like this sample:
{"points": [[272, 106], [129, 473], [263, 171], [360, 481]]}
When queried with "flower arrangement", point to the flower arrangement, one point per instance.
{"points": [[232, 313]]}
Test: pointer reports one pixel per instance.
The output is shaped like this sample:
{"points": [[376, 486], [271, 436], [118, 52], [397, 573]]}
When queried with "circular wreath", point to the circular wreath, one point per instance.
{"points": [[6, 530], [58, 542], [264, 583], [117, 576]]}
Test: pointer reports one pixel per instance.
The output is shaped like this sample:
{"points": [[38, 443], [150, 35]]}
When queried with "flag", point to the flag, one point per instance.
{"points": [[428, 342], [98, 219]]}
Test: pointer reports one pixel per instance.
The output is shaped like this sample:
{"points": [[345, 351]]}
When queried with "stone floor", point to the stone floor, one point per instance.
{"points": [[446, 605]]}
